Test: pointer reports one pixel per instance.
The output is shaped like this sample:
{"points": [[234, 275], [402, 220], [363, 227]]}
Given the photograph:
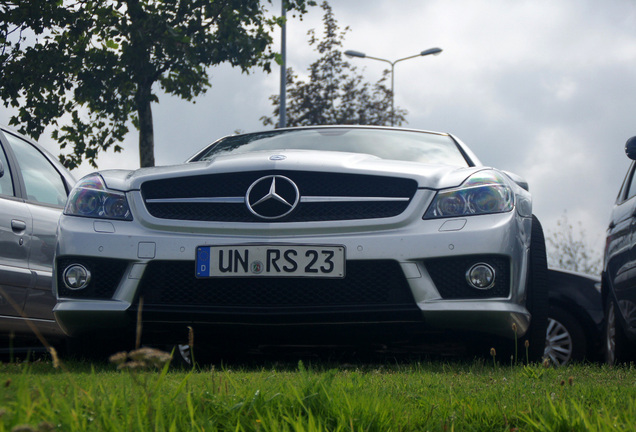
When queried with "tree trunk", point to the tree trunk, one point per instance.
{"points": [[142, 74], [146, 131]]}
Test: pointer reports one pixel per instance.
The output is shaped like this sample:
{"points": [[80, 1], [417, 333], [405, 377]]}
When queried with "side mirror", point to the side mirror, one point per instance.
{"points": [[630, 148]]}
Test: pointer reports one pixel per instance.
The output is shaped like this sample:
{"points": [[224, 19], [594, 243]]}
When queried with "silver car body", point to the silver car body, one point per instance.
{"points": [[419, 253], [33, 191]]}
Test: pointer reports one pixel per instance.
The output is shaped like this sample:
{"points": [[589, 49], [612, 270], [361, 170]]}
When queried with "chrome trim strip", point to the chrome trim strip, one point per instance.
{"points": [[241, 200], [205, 200], [350, 199]]}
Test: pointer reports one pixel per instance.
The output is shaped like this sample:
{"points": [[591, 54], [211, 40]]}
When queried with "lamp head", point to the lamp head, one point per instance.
{"points": [[351, 53], [431, 51]]}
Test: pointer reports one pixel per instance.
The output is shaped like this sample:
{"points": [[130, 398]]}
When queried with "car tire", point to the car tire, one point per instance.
{"points": [[617, 348], [537, 294], [565, 338]]}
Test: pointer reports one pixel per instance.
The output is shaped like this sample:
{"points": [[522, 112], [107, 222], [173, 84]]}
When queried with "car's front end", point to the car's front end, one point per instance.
{"points": [[294, 244]]}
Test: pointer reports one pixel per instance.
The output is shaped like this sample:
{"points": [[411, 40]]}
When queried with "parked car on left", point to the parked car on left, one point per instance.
{"points": [[34, 188]]}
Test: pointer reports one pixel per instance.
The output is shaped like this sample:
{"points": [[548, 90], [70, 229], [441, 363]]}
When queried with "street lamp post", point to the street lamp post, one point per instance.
{"points": [[283, 69], [430, 51]]}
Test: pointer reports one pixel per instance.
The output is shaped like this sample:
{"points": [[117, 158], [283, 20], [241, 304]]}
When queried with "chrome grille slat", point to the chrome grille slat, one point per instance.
{"points": [[240, 200]]}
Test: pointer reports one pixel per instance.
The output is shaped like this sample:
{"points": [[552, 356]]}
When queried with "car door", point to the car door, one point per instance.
{"points": [[45, 190], [15, 239], [621, 248]]}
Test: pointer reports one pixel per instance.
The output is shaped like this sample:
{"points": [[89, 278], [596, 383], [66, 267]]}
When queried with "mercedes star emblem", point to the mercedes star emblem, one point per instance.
{"points": [[272, 197]]}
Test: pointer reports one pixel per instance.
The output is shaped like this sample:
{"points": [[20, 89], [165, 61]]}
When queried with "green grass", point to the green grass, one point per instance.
{"points": [[415, 395]]}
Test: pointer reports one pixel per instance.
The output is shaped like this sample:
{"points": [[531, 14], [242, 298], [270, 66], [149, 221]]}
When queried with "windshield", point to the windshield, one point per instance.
{"points": [[412, 146]]}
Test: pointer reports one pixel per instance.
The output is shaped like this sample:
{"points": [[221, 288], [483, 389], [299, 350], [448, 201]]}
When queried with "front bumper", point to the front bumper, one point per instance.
{"points": [[410, 274]]}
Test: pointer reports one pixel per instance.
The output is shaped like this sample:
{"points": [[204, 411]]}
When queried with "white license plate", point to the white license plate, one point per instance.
{"points": [[270, 261]]}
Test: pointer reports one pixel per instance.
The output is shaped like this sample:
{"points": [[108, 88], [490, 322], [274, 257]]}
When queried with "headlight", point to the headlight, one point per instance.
{"points": [[90, 198], [484, 192]]}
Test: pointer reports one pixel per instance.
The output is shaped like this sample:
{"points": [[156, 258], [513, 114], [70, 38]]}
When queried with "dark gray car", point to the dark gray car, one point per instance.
{"points": [[33, 190], [575, 317], [619, 271]]}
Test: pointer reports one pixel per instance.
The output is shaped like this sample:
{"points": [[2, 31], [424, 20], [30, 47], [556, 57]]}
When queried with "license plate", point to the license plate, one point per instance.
{"points": [[270, 261]]}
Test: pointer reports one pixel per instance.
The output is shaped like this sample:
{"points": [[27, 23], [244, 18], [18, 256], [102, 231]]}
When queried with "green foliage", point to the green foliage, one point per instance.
{"points": [[335, 93], [87, 68]]}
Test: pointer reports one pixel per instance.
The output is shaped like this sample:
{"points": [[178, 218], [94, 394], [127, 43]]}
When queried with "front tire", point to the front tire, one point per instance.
{"points": [[537, 293], [617, 348]]}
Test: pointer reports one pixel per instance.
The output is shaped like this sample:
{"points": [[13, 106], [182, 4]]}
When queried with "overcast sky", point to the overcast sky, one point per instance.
{"points": [[543, 88]]}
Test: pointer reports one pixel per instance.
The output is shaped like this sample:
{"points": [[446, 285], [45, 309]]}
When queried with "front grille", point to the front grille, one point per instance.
{"points": [[449, 276], [367, 283], [105, 277], [234, 186]]}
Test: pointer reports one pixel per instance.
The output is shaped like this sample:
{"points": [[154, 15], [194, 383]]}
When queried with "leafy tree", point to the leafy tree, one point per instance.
{"points": [[89, 67], [568, 248], [335, 93]]}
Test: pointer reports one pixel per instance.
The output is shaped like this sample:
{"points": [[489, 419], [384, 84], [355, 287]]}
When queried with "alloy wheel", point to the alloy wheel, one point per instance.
{"points": [[558, 343]]}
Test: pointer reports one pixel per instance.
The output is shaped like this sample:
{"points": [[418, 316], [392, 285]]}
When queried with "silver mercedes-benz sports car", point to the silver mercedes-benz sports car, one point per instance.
{"points": [[306, 235]]}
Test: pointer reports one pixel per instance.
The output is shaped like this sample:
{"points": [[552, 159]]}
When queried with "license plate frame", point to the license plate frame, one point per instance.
{"points": [[270, 260]]}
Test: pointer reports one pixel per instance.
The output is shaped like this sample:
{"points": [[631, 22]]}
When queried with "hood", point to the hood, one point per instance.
{"points": [[427, 176]]}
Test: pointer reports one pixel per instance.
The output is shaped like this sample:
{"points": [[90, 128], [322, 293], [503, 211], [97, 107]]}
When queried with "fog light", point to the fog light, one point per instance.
{"points": [[76, 277], [481, 276]]}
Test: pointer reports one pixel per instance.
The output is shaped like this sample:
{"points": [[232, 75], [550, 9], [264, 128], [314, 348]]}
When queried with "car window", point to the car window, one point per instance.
{"points": [[631, 187], [410, 146], [6, 184], [42, 181]]}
